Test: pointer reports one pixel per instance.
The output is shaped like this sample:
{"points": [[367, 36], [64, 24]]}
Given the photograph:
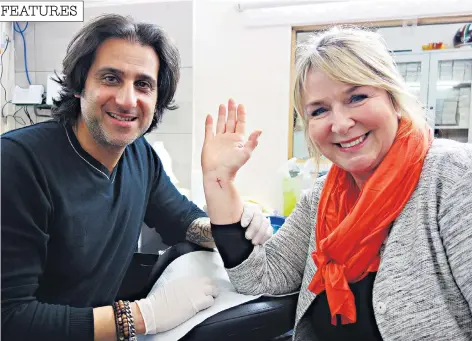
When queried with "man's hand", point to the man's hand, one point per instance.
{"points": [[176, 302], [259, 229]]}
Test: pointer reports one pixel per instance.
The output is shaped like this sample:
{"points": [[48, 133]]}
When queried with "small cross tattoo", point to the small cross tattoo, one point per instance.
{"points": [[219, 182]]}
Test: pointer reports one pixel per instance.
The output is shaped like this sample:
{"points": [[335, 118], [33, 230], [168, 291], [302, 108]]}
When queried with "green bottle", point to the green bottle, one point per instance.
{"points": [[291, 191]]}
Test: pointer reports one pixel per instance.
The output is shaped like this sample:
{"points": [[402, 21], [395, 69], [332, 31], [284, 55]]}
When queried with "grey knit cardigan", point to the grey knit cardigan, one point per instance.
{"points": [[423, 288]]}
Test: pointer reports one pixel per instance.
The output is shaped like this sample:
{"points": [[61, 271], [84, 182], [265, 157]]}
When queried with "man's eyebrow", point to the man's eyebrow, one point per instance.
{"points": [[109, 69], [120, 73]]}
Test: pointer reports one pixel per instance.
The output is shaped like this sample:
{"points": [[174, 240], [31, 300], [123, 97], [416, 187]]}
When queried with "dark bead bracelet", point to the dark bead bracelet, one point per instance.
{"points": [[124, 322]]}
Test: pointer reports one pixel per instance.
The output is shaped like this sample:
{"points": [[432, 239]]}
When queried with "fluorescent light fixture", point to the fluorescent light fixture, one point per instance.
{"points": [[251, 5], [300, 13]]}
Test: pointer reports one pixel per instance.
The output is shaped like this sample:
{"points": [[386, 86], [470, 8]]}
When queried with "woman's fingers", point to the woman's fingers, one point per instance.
{"points": [[252, 142], [231, 121], [241, 120], [208, 127], [221, 124]]}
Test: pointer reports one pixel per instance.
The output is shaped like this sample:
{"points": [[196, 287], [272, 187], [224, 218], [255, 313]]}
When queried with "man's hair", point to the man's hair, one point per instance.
{"points": [[80, 56]]}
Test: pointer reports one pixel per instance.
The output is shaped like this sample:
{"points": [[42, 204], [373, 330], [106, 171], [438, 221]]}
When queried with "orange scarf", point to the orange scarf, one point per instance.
{"points": [[351, 225]]}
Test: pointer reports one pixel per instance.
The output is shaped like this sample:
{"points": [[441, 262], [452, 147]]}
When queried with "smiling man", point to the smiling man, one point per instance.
{"points": [[76, 191]]}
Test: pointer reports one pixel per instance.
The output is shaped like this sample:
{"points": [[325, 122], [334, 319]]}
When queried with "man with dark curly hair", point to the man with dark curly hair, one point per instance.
{"points": [[76, 190]]}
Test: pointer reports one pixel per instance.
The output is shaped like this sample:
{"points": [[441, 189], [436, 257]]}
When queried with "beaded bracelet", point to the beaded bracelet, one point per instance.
{"points": [[124, 322]]}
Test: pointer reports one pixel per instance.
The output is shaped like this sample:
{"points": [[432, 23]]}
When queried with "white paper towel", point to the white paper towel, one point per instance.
{"points": [[200, 263]]}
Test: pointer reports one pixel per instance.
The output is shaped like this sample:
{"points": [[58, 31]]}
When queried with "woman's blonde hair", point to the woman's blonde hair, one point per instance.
{"points": [[357, 56]]}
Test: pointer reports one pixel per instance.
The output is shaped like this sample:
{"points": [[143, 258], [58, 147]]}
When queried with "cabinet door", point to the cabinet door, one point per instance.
{"points": [[414, 68], [450, 94]]}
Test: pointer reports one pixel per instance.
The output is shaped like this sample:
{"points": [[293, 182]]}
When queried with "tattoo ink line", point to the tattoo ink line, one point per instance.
{"points": [[219, 182]]}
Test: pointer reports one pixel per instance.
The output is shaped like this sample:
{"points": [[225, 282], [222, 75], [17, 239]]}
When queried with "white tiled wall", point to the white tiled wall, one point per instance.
{"points": [[47, 43], [7, 77]]}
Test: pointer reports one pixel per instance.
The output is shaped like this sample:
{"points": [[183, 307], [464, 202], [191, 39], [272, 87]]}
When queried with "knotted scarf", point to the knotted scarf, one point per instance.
{"points": [[352, 224]]}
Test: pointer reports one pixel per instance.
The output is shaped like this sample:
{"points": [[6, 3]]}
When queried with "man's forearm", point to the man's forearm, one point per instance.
{"points": [[199, 232]]}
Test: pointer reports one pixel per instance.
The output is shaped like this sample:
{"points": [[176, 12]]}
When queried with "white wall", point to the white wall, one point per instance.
{"points": [[247, 56], [253, 67]]}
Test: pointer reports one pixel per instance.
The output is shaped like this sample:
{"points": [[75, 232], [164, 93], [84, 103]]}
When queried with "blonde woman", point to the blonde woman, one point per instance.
{"points": [[380, 249]]}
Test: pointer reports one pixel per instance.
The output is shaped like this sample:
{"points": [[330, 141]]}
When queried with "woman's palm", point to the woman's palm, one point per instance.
{"points": [[225, 152]]}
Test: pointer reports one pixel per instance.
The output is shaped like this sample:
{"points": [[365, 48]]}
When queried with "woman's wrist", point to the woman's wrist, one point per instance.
{"points": [[211, 177], [224, 204]]}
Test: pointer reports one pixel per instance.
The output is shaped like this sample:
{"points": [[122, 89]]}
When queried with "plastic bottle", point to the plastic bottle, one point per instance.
{"points": [[291, 187]]}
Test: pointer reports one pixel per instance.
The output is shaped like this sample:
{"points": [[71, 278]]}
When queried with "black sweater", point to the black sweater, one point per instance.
{"points": [[70, 228]]}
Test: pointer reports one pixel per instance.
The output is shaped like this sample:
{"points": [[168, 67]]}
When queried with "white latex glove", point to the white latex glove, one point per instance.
{"points": [[176, 302], [258, 226]]}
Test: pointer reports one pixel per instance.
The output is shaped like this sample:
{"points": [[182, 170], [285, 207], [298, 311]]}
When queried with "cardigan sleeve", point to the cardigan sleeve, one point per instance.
{"points": [[277, 266], [455, 223]]}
